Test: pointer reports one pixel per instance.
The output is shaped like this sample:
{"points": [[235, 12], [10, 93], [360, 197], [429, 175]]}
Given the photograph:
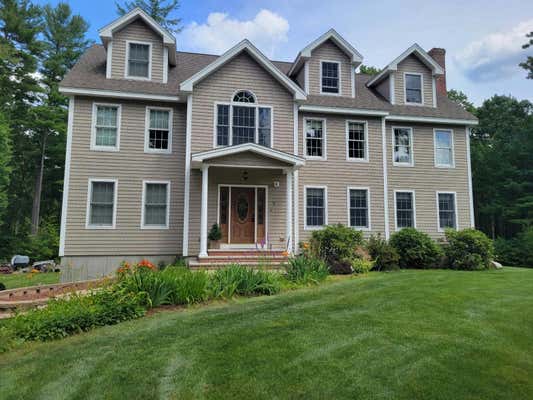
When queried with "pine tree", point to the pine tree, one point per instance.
{"points": [[528, 64], [159, 10]]}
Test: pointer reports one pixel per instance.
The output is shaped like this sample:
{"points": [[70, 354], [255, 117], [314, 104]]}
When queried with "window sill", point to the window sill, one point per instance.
{"points": [[152, 151], [404, 165], [361, 228], [313, 228], [441, 166], [138, 78], [105, 149], [314, 158], [154, 227], [98, 227], [358, 160]]}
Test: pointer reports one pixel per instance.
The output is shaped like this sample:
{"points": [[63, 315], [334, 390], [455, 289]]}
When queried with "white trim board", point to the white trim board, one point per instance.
{"points": [[66, 179], [117, 94], [341, 110], [187, 184]]}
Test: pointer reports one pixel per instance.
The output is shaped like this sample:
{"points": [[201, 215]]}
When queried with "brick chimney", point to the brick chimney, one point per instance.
{"points": [[439, 55]]}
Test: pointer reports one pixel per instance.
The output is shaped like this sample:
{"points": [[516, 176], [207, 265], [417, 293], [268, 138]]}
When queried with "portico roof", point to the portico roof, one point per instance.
{"points": [[210, 156]]}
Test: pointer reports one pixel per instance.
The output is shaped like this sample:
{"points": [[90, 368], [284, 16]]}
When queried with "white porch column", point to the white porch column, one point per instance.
{"points": [[289, 206], [203, 213]]}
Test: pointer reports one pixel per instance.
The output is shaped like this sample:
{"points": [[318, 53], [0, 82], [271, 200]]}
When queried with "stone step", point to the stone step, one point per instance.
{"points": [[207, 264], [251, 252]]}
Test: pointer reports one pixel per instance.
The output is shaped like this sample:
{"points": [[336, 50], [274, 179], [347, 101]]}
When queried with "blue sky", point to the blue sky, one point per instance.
{"points": [[482, 38]]}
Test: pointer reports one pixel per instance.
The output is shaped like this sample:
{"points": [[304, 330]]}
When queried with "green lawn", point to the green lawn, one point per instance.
{"points": [[403, 335], [13, 281]]}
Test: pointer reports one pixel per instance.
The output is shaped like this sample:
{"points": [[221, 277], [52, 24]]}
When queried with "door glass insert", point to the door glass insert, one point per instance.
{"points": [[242, 208]]}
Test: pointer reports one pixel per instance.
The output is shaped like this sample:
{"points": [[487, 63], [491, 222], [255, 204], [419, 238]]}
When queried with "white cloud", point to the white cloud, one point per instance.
{"points": [[267, 30], [496, 56]]}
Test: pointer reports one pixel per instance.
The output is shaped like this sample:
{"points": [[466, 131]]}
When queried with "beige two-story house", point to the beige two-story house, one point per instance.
{"points": [[162, 144]]}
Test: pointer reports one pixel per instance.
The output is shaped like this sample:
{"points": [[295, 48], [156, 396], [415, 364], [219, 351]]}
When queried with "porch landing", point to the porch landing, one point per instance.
{"points": [[270, 259]]}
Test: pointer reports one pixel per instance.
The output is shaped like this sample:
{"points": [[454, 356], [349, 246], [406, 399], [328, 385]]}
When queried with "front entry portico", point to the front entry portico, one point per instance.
{"points": [[242, 209]]}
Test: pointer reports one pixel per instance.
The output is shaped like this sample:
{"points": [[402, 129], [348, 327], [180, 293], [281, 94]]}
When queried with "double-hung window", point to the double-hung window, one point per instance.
{"points": [[443, 140], [158, 135], [315, 138], [330, 77], [155, 210], [413, 88], [402, 152], [106, 127], [405, 209], [101, 204], [243, 121], [356, 137], [447, 210], [138, 64], [315, 207], [358, 204]]}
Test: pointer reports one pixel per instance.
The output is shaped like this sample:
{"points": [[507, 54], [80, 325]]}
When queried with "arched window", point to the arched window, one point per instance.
{"points": [[244, 96]]}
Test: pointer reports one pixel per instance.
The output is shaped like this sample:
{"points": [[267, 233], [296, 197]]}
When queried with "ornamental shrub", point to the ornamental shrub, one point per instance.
{"points": [[468, 249], [148, 284], [335, 242], [67, 316], [416, 249], [186, 286], [385, 256], [305, 269], [362, 266], [236, 279]]}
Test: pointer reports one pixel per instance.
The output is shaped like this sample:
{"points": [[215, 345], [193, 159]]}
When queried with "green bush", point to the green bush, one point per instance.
{"points": [[468, 249], [304, 269], [416, 249], [385, 256], [335, 242], [362, 266], [148, 285], [63, 317], [2, 286], [239, 280], [215, 233], [186, 286], [517, 251]]}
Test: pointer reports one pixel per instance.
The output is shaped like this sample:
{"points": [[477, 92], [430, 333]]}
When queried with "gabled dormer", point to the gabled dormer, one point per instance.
{"points": [[327, 66], [138, 48], [411, 78]]}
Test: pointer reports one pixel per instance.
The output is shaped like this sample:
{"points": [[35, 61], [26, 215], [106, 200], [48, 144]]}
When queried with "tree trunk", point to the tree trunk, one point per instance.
{"points": [[493, 226], [36, 209]]}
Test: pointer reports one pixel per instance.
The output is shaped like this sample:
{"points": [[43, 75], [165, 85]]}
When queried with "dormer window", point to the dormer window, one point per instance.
{"points": [[139, 56], [330, 77], [413, 88]]}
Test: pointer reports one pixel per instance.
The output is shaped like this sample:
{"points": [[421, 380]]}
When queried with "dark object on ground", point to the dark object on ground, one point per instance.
{"points": [[44, 266], [2, 286], [6, 269], [340, 267]]}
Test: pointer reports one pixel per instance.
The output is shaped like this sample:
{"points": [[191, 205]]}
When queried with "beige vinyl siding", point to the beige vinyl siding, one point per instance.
{"points": [[426, 179], [337, 173], [328, 51], [413, 64], [136, 31], [222, 175], [241, 73], [384, 88], [300, 77], [248, 159], [130, 166]]}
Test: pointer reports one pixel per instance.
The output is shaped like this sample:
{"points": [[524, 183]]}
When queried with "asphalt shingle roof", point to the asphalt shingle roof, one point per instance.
{"points": [[90, 73]]}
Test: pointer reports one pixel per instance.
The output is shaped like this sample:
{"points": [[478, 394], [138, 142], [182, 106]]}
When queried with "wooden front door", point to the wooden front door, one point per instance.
{"points": [[242, 215]]}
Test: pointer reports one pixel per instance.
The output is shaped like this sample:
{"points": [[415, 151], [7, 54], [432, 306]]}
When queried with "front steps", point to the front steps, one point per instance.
{"points": [[269, 259]]}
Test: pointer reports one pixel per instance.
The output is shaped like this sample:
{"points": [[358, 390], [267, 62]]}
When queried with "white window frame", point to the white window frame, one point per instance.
{"points": [[324, 139], [88, 225], [452, 143], [147, 148], [367, 189], [94, 146], [396, 228], [412, 147], [421, 88], [143, 201], [339, 93], [318, 227], [347, 129], [126, 64], [232, 103], [437, 193]]}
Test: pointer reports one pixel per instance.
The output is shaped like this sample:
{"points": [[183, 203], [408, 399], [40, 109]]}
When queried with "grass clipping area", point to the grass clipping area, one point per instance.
{"points": [[413, 334]]}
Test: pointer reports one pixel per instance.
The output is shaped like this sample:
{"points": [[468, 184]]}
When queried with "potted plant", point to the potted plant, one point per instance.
{"points": [[215, 234]]}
